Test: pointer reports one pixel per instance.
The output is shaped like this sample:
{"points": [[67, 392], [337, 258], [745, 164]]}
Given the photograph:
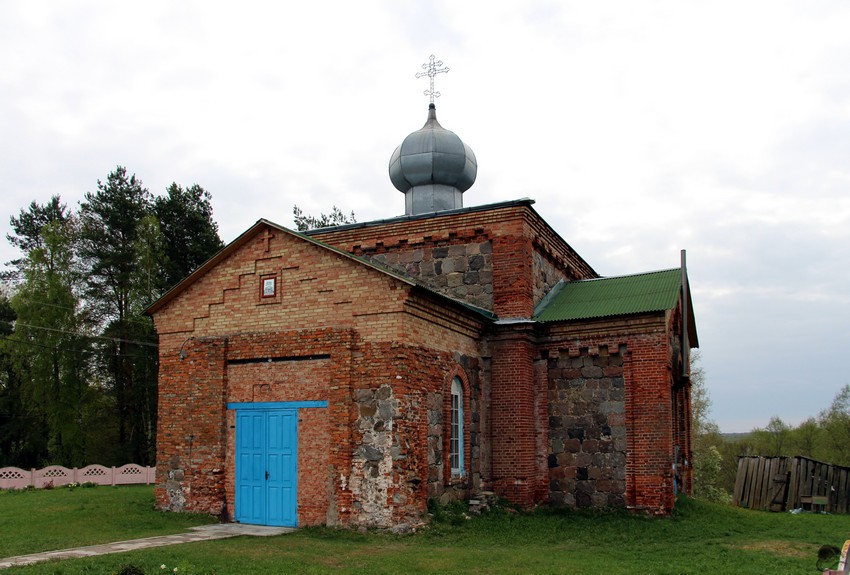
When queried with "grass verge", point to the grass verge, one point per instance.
{"points": [[699, 538], [48, 519]]}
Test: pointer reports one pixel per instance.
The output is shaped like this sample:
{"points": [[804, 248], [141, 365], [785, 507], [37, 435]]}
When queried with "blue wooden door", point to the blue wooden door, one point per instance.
{"points": [[266, 467]]}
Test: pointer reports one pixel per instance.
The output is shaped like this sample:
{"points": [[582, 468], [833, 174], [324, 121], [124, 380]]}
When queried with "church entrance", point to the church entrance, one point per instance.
{"points": [[266, 466]]}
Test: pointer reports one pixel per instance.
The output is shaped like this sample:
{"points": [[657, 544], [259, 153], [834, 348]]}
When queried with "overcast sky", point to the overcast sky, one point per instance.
{"points": [[640, 128]]}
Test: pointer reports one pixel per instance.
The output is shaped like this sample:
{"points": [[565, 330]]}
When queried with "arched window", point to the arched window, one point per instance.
{"points": [[456, 441]]}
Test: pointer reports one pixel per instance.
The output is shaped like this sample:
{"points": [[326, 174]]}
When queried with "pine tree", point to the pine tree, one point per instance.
{"points": [[109, 247], [189, 231]]}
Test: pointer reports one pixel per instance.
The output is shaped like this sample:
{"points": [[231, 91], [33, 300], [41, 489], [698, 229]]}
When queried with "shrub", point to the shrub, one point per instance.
{"points": [[454, 513]]}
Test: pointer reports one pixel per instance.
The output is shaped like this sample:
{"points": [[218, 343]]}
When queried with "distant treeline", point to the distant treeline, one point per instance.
{"points": [[825, 437]]}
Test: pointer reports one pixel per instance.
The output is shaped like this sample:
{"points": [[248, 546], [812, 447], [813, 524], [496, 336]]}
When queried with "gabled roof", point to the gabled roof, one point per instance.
{"points": [[251, 232], [617, 296]]}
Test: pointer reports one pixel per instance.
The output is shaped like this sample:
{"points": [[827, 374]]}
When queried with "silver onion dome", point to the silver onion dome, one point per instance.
{"points": [[432, 167]]}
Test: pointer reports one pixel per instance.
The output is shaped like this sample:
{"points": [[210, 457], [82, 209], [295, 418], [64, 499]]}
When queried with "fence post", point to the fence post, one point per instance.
{"points": [[32, 476], [113, 476]]}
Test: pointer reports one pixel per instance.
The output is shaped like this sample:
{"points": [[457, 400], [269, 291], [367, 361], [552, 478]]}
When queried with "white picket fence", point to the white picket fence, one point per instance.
{"points": [[57, 476]]}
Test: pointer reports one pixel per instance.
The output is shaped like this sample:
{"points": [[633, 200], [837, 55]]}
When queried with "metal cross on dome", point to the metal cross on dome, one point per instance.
{"points": [[432, 68]]}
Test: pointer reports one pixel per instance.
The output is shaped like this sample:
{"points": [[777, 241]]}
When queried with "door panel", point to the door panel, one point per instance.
{"points": [[266, 466], [282, 467]]}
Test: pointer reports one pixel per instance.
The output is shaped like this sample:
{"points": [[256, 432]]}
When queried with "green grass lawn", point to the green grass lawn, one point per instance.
{"points": [[48, 519], [699, 538]]}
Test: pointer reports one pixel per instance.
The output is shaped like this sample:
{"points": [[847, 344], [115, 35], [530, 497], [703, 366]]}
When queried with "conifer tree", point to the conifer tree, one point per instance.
{"points": [[109, 246], [189, 231]]}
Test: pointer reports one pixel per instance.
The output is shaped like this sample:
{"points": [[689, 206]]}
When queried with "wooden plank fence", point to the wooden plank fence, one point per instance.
{"points": [[782, 483], [57, 476]]}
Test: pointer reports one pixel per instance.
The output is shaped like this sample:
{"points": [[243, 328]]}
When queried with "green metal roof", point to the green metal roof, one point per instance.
{"points": [[606, 297]]}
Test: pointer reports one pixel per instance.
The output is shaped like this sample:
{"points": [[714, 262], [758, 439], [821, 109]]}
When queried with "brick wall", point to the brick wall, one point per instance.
{"points": [[316, 287], [373, 347], [290, 379], [191, 430], [324, 434], [682, 413]]}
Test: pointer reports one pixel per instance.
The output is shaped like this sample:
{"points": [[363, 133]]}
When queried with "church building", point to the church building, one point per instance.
{"points": [[346, 375]]}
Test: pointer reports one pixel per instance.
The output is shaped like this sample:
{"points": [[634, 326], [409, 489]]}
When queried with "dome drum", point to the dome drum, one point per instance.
{"points": [[432, 198]]}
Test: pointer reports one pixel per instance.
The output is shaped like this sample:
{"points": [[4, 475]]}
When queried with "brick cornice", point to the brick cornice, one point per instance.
{"points": [[620, 326]]}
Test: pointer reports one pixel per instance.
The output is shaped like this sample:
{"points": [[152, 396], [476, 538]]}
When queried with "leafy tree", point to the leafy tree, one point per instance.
{"points": [[835, 421], [701, 422], [44, 272], [189, 231], [772, 441], [306, 222], [708, 468], [806, 439], [708, 460], [50, 323], [150, 255], [23, 441]]}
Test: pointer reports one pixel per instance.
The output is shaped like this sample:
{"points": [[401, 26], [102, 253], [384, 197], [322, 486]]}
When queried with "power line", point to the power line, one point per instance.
{"points": [[57, 348], [115, 339], [25, 342], [57, 306]]}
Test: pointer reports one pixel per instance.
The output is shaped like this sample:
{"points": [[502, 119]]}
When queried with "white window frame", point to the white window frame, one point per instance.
{"points": [[456, 437]]}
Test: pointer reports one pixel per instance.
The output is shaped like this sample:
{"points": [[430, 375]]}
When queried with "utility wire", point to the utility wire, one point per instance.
{"points": [[57, 306], [57, 348], [115, 339]]}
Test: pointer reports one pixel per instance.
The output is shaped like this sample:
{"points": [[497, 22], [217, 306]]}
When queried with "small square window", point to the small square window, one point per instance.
{"points": [[269, 287]]}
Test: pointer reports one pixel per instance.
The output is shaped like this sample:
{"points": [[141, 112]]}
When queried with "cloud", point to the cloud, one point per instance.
{"points": [[720, 127]]}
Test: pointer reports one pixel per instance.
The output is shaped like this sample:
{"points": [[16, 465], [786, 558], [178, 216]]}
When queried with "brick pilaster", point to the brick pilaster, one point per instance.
{"points": [[650, 437], [514, 414], [513, 283]]}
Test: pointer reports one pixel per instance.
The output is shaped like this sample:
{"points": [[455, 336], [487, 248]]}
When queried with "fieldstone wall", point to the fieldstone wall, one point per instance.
{"points": [[372, 477], [399, 408], [546, 276], [587, 430], [463, 271]]}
